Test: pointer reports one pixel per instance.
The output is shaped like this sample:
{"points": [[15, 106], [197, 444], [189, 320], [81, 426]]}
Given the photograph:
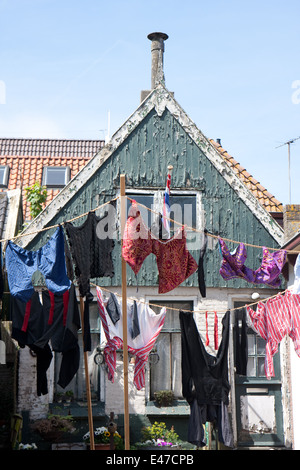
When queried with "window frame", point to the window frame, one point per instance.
{"points": [[160, 300], [5, 179], [67, 176]]}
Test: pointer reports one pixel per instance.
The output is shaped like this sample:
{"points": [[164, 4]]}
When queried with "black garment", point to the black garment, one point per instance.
{"points": [[216, 414], [92, 255], [43, 361], [201, 277], [55, 320], [135, 326], [205, 383], [204, 376], [241, 341], [113, 308]]}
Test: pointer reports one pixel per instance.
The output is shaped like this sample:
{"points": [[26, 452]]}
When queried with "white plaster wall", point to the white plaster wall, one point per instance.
{"points": [[27, 396]]}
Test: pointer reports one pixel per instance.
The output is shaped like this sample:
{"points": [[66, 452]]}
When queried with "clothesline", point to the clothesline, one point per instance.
{"points": [[57, 225], [150, 210], [193, 311], [208, 233]]}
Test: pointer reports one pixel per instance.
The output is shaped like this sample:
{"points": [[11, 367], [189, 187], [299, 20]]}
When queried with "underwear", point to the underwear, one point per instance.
{"points": [[92, 255], [232, 265], [174, 262], [140, 342], [273, 320], [21, 264]]}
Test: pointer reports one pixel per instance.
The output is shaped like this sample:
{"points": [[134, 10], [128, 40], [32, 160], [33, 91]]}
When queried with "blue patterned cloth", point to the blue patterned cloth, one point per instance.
{"points": [[21, 264]]}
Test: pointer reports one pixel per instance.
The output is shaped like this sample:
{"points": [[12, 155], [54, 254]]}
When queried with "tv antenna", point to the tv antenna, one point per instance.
{"points": [[288, 143]]}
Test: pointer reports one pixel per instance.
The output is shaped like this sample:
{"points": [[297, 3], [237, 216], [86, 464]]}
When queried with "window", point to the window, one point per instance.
{"points": [[56, 177], [259, 414], [183, 208], [4, 175], [165, 372]]}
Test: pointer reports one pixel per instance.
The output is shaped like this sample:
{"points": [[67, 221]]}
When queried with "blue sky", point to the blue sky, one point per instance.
{"points": [[233, 66]]}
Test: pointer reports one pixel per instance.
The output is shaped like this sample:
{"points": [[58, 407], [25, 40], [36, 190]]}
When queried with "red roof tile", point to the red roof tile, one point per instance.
{"points": [[266, 199]]}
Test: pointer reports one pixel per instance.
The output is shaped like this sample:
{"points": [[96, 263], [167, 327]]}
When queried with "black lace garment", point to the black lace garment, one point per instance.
{"points": [[92, 256]]}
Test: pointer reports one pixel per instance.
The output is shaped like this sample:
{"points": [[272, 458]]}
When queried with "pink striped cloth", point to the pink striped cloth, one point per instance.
{"points": [[141, 346], [273, 320]]}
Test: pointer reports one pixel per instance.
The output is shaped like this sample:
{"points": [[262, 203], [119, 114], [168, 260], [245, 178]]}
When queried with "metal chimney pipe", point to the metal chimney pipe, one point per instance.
{"points": [[157, 53]]}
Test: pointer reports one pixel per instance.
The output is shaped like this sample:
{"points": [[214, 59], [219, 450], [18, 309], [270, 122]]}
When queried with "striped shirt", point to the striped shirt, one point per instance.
{"points": [[150, 326], [273, 320]]}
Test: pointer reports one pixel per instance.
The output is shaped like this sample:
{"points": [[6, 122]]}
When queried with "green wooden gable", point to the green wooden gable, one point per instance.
{"points": [[158, 134]]}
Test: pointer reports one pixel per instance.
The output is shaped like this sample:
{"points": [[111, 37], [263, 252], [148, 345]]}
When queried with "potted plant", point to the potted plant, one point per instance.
{"points": [[53, 427], [157, 436], [164, 397], [102, 439], [69, 396]]}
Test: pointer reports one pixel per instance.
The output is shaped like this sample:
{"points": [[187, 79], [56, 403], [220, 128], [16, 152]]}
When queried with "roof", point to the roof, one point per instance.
{"points": [[27, 157], [159, 100], [266, 199]]}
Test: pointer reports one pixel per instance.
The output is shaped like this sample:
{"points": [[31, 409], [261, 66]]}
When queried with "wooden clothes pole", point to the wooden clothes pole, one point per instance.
{"points": [[124, 314], [87, 381]]}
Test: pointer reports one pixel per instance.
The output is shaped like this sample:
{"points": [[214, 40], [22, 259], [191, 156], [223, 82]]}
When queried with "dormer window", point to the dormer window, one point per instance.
{"points": [[56, 177], [4, 175]]}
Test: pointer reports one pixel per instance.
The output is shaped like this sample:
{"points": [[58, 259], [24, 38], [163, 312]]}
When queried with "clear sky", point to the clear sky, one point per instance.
{"points": [[66, 65]]}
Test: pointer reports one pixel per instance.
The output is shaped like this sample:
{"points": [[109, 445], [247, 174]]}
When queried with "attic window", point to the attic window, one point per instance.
{"points": [[56, 177], [4, 175]]}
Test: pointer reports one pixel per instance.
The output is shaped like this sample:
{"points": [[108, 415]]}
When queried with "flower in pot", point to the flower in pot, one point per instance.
{"points": [[157, 435], [102, 436], [164, 397]]}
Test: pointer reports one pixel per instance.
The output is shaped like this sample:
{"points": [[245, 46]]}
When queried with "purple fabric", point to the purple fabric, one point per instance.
{"points": [[268, 273]]}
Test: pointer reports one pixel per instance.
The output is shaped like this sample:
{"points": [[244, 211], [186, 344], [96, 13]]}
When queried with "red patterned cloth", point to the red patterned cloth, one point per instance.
{"points": [[174, 262], [273, 320]]}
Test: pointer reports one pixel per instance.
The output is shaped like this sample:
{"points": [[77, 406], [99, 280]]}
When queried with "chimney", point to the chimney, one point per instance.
{"points": [[291, 220], [157, 61]]}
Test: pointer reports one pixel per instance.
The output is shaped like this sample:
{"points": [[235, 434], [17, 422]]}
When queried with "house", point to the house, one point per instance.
{"points": [[50, 162], [210, 190]]}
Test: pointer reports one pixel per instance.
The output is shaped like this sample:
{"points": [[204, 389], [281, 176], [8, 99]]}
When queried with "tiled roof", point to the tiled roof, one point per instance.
{"points": [[50, 147], [27, 157], [266, 199]]}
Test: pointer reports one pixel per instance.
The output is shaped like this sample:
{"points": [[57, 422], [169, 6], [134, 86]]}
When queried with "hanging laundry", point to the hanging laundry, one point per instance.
{"points": [[241, 341], [233, 266], [201, 277], [205, 383], [137, 240], [174, 262], [140, 345], [216, 333], [273, 320], [56, 320], [295, 288], [92, 255], [21, 264]]}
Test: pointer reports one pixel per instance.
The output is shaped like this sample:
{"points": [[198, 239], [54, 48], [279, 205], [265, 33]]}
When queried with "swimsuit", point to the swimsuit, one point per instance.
{"points": [[268, 273]]}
